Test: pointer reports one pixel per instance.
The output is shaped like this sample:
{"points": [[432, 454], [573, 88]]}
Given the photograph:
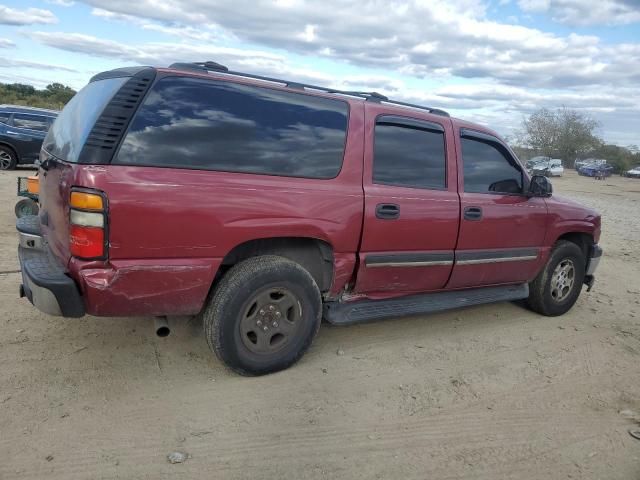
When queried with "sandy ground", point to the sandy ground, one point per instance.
{"points": [[483, 393]]}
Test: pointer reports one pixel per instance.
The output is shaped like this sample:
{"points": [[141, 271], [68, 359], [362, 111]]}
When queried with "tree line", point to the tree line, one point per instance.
{"points": [[53, 96], [570, 135]]}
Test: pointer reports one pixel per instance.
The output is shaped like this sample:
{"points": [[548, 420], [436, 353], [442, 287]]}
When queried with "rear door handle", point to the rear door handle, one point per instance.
{"points": [[387, 211], [473, 213]]}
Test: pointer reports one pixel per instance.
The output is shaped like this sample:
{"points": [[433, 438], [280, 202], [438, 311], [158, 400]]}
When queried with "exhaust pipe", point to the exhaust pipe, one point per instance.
{"points": [[162, 327]]}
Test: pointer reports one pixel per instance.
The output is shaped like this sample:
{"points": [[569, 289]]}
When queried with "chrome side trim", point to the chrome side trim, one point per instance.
{"points": [[496, 260], [411, 264]]}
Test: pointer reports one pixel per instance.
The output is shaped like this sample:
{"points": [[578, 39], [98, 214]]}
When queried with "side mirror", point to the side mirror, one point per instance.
{"points": [[540, 186]]}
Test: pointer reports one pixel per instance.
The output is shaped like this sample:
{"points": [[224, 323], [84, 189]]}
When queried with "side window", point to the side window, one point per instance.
{"points": [[224, 126], [488, 170], [4, 117], [407, 156], [32, 122]]}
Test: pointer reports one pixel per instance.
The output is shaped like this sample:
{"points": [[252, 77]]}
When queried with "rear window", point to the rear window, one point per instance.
{"points": [[71, 128], [210, 125]]}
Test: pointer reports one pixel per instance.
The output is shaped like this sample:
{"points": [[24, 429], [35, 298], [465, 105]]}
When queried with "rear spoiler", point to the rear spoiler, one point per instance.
{"points": [[120, 72]]}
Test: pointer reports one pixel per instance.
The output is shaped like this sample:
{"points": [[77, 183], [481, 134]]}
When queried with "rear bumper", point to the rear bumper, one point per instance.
{"points": [[44, 281]]}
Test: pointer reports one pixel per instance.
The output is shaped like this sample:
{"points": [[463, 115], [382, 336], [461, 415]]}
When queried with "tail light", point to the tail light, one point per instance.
{"points": [[88, 222]]}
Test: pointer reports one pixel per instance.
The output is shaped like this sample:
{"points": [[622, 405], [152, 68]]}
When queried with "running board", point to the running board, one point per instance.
{"points": [[362, 311]]}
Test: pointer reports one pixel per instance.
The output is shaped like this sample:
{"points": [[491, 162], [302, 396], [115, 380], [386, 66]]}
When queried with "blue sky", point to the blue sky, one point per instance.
{"points": [[490, 61]]}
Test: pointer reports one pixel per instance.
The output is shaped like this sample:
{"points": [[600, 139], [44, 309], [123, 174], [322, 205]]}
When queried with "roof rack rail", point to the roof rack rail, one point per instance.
{"points": [[369, 96]]}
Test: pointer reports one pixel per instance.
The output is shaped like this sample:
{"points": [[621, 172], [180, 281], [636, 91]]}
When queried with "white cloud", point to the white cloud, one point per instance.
{"points": [[518, 67], [61, 3], [14, 62], [6, 43], [586, 12], [30, 16]]}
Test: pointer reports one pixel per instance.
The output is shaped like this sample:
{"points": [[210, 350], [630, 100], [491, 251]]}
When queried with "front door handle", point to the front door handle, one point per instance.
{"points": [[387, 211], [473, 213]]}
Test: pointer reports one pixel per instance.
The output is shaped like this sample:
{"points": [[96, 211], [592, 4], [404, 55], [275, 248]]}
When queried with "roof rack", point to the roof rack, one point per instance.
{"points": [[369, 96]]}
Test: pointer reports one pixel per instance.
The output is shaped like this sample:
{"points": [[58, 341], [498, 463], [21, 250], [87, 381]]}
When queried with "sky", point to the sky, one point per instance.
{"points": [[493, 62]]}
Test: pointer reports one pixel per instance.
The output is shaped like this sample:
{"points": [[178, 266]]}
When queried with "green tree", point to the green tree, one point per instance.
{"points": [[54, 96], [563, 133]]}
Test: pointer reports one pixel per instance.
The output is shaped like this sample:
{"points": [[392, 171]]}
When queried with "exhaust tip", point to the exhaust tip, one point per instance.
{"points": [[162, 327], [163, 332]]}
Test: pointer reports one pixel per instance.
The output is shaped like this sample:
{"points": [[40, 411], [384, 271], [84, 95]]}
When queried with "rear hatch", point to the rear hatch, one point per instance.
{"points": [[86, 132]]}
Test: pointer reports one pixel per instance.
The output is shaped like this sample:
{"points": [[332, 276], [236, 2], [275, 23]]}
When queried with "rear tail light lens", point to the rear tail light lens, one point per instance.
{"points": [[86, 242], [87, 238]]}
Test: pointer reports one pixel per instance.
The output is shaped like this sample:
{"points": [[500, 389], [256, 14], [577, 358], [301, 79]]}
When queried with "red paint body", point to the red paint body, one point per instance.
{"points": [[169, 229]]}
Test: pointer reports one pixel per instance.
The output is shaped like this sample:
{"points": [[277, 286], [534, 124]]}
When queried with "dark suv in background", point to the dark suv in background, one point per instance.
{"points": [[22, 130]]}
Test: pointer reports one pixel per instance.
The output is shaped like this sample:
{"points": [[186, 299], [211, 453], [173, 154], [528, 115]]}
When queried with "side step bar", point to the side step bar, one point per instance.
{"points": [[363, 311]]}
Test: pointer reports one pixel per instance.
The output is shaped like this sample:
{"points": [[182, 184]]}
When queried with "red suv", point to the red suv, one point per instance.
{"points": [[263, 205]]}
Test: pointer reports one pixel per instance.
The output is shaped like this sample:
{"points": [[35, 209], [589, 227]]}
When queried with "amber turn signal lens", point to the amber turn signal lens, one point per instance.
{"points": [[86, 201]]}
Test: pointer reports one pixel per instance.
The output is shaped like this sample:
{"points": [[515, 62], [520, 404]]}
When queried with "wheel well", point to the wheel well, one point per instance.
{"points": [[315, 256], [582, 240], [15, 152]]}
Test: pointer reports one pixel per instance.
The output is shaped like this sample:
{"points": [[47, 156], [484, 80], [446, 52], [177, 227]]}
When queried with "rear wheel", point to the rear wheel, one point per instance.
{"points": [[557, 287], [8, 159], [263, 315], [26, 207]]}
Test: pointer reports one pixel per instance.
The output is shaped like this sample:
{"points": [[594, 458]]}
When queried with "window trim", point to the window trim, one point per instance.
{"points": [[412, 124], [161, 77], [495, 142]]}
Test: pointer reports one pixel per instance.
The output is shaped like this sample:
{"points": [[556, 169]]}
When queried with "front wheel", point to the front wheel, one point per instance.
{"points": [[263, 315], [557, 287]]}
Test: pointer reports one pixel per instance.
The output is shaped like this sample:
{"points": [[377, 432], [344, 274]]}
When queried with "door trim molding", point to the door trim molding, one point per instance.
{"points": [[464, 257], [477, 257], [409, 260]]}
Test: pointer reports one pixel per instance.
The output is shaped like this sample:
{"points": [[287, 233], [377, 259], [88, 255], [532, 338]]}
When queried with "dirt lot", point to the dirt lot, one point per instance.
{"points": [[482, 393]]}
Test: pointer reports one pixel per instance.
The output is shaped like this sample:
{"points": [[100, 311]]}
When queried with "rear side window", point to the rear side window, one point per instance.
{"points": [[408, 156], [71, 128], [488, 169], [4, 117], [202, 124], [31, 122]]}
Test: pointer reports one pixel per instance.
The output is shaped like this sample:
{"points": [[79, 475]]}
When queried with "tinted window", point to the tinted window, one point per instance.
{"points": [[32, 122], [4, 117], [192, 123], [408, 157], [488, 169], [71, 128]]}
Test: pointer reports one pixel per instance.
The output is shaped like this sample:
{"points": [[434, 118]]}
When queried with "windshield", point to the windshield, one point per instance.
{"points": [[70, 130]]}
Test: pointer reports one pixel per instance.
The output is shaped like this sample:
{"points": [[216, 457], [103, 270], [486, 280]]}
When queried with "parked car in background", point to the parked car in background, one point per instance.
{"points": [[589, 162], [551, 167], [633, 173], [533, 162], [22, 130], [596, 170], [263, 205]]}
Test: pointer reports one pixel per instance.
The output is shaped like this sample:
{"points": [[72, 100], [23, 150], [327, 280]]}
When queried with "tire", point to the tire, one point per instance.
{"points": [[8, 159], [242, 328], [26, 207], [549, 298]]}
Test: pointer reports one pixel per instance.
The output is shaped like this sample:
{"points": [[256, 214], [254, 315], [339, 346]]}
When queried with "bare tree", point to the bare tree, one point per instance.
{"points": [[562, 133]]}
